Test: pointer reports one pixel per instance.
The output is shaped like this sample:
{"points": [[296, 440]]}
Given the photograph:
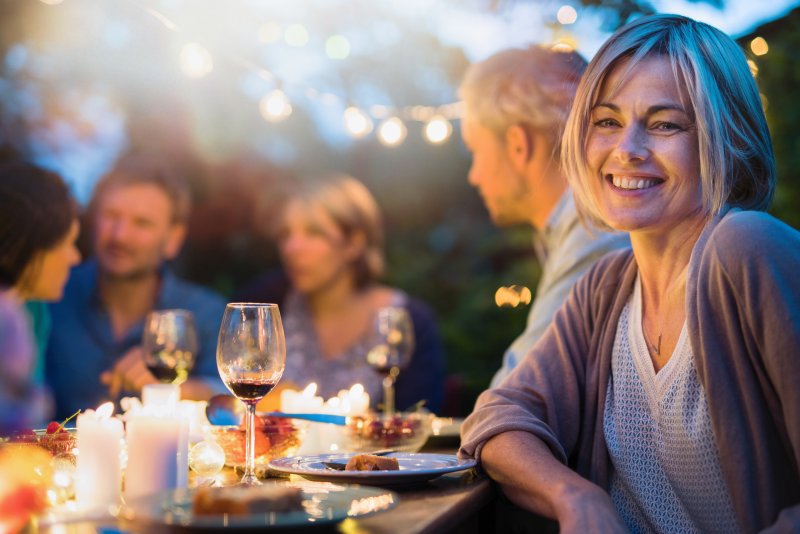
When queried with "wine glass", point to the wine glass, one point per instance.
{"points": [[251, 356], [169, 343], [391, 349]]}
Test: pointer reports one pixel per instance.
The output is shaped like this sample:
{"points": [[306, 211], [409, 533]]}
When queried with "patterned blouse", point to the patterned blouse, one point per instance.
{"points": [[305, 362], [667, 475]]}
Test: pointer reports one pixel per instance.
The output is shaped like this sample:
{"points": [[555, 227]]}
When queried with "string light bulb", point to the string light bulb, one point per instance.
{"points": [[195, 60], [759, 46], [357, 122], [275, 106], [566, 15], [392, 131], [437, 130]]}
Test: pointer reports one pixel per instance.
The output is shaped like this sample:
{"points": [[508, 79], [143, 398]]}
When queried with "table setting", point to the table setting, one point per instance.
{"points": [[156, 460]]}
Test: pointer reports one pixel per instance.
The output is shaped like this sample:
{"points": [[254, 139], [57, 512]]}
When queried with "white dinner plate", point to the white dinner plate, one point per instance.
{"points": [[323, 504], [414, 468]]}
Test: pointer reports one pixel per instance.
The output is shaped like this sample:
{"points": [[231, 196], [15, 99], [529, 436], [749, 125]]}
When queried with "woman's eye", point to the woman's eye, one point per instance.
{"points": [[605, 123], [666, 126]]}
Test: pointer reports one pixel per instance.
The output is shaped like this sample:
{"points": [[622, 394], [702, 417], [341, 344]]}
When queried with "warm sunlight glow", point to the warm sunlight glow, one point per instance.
{"points": [[275, 106], [195, 60]]}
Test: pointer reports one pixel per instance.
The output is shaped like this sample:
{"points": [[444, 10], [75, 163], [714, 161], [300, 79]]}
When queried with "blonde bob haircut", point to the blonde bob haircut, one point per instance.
{"points": [[737, 166], [354, 211], [532, 87]]}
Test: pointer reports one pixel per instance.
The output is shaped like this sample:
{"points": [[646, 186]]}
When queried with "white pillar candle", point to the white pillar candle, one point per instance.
{"points": [[153, 443], [98, 473], [161, 396]]}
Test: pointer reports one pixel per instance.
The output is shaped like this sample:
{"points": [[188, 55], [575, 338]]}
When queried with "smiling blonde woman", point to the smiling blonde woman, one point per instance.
{"points": [[663, 397]]}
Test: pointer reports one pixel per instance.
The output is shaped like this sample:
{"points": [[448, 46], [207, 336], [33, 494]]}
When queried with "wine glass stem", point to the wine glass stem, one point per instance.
{"points": [[388, 391], [250, 445]]}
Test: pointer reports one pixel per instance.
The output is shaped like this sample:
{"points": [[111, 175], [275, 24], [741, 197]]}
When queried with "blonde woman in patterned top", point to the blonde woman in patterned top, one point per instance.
{"points": [[664, 396]]}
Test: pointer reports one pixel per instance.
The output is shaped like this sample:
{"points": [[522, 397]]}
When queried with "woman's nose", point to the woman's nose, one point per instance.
{"points": [[632, 144]]}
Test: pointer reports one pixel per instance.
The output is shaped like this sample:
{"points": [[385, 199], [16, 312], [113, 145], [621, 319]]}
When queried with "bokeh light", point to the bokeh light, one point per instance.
{"points": [[275, 106], [438, 130], [566, 15], [296, 35], [337, 47], [392, 131], [357, 122], [195, 60], [753, 67], [269, 33], [759, 46], [512, 296]]}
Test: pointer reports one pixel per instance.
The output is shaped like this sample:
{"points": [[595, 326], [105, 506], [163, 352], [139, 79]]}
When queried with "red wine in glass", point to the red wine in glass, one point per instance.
{"points": [[251, 356], [250, 389]]}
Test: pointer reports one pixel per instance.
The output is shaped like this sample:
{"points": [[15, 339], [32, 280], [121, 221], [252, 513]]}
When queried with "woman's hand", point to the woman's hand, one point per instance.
{"points": [[588, 510]]}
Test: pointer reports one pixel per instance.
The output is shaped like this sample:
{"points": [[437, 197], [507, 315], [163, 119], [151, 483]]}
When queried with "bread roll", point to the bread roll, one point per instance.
{"points": [[370, 462]]}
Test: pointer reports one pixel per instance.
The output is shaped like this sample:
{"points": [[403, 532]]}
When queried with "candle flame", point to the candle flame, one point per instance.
{"points": [[310, 390], [357, 390], [104, 411]]}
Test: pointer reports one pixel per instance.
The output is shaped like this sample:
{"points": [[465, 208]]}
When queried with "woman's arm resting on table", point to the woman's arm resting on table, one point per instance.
{"points": [[532, 478]]}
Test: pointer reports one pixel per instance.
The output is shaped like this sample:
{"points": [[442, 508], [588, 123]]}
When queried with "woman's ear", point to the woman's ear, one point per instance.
{"points": [[519, 146]]}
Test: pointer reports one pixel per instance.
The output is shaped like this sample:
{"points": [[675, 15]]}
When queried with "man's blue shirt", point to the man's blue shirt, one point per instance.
{"points": [[82, 344]]}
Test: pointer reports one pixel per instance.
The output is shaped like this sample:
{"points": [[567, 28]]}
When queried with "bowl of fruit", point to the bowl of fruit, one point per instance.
{"points": [[275, 438], [55, 439], [402, 431]]}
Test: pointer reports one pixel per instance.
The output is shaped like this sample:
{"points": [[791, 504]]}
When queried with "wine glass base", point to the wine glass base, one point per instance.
{"points": [[250, 480]]}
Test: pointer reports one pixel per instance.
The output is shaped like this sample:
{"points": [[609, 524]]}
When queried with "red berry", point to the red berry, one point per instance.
{"points": [[52, 427]]}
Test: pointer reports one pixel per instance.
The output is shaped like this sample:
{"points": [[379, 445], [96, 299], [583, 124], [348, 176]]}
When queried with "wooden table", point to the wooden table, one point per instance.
{"points": [[456, 502]]}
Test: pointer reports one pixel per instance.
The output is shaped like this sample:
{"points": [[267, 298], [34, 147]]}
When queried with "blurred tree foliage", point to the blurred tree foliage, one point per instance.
{"points": [[441, 245], [779, 81]]}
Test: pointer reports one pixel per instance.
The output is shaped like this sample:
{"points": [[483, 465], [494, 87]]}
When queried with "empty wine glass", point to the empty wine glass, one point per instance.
{"points": [[251, 356], [391, 349], [169, 343]]}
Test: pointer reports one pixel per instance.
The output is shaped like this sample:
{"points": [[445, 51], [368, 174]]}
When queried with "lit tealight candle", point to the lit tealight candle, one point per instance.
{"points": [[355, 401], [98, 473]]}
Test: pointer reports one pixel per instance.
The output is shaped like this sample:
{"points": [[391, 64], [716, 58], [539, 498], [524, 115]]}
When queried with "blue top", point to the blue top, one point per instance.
{"points": [[82, 343], [39, 318]]}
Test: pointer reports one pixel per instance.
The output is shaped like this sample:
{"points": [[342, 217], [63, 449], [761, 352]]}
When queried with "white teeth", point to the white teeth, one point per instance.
{"points": [[633, 183]]}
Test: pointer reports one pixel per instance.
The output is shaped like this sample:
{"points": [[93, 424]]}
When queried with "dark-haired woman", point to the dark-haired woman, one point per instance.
{"points": [[38, 230]]}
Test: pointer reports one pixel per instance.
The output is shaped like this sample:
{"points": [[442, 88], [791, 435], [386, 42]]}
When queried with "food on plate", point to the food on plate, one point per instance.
{"points": [[370, 462], [242, 500]]}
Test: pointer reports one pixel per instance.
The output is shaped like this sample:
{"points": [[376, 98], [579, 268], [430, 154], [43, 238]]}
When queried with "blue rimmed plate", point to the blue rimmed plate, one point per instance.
{"points": [[415, 468]]}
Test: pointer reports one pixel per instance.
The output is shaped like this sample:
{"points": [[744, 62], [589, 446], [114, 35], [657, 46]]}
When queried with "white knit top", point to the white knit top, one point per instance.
{"points": [[667, 475]]}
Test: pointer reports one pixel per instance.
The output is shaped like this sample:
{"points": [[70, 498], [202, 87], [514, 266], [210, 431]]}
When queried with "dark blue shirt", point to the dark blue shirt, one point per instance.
{"points": [[82, 343]]}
